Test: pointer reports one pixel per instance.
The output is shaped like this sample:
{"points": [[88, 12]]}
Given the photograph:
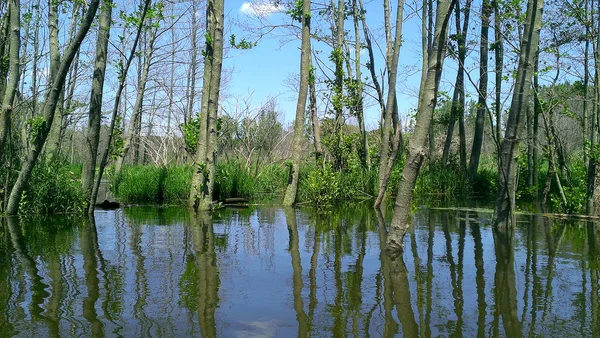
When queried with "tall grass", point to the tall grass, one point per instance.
{"points": [[150, 184], [317, 186], [52, 188]]}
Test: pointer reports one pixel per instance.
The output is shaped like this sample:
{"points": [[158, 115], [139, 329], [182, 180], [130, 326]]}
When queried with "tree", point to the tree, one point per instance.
{"points": [[509, 149], [40, 133], [457, 110], [204, 165], [393, 54], [13, 80], [123, 71], [418, 144], [292, 186], [133, 134], [95, 111], [486, 11]]}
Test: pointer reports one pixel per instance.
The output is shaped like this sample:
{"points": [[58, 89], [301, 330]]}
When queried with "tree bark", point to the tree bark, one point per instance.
{"points": [[204, 173], [13, 79], [292, 186], [499, 62], [315, 118], [50, 104], [507, 166], [114, 116], [418, 144], [366, 158], [191, 87], [393, 51], [95, 111], [486, 11]]}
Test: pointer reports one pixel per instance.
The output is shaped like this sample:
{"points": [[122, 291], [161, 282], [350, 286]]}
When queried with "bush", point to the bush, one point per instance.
{"points": [[52, 188]]}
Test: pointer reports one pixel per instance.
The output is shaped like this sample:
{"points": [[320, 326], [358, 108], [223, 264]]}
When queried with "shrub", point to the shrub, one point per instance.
{"points": [[52, 188]]}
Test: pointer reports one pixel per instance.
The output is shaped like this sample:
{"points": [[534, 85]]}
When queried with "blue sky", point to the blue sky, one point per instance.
{"points": [[262, 71]]}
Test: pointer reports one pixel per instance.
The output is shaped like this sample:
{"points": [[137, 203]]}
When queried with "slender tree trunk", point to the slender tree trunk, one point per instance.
{"points": [[95, 111], [586, 55], [132, 138], [50, 104], [338, 86], [14, 74], [418, 144], [486, 11], [457, 111], [315, 118], [462, 55], [393, 51], [201, 193], [292, 185], [366, 158], [371, 64], [592, 184], [499, 62], [114, 116], [191, 87], [507, 166]]}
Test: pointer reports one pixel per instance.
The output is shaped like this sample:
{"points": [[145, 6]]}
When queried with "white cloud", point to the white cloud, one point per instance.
{"points": [[261, 8]]}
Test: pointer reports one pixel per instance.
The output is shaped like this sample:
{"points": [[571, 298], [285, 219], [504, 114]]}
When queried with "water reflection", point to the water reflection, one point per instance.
{"points": [[150, 272]]}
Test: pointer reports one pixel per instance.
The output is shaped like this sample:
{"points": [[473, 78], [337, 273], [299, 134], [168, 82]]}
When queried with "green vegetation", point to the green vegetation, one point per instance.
{"points": [[53, 188]]}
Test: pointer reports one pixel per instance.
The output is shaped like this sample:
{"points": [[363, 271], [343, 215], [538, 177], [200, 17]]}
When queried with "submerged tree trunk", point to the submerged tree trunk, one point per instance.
{"points": [[418, 144], [13, 79], [507, 166], [292, 185], [393, 51], [592, 193], [204, 165], [95, 111], [50, 104], [486, 11]]}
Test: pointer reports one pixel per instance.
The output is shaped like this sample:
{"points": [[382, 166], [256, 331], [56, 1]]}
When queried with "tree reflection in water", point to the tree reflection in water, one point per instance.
{"points": [[268, 271]]}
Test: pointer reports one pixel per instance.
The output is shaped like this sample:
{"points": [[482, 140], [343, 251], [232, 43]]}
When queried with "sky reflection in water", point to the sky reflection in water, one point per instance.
{"points": [[273, 272]]}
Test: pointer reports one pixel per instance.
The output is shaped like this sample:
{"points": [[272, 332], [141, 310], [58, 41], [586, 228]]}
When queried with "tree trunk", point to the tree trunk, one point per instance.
{"points": [[499, 62], [337, 56], [122, 77], [50, 104], [418, 144], [132, 138], [292, 186], [366, 159], [191, 87], [95, 111], [462, 55], [371, 64], [201, 194], [486, 11], [393, 51], [13, 79], [507, 166], [315, 118]]}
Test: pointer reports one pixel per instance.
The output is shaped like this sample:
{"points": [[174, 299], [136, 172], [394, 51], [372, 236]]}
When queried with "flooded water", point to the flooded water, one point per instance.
{"points": [[273, 272]]}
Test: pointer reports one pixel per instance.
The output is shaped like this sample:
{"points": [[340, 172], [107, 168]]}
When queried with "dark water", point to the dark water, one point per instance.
{"points": [[266, 272]]}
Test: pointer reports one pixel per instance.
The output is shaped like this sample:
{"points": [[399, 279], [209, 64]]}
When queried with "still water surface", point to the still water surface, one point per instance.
{"points": [[272, 272]]}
